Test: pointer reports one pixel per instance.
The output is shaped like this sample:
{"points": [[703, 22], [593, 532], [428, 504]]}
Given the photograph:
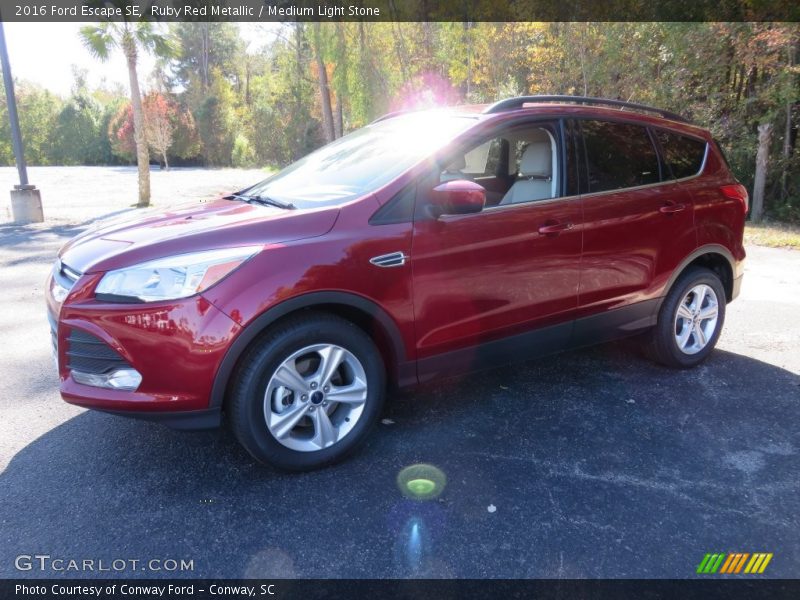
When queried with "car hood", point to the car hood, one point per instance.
{"points": [[190, 228]]}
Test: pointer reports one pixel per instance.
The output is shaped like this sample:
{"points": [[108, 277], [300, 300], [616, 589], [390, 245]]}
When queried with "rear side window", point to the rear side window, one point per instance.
{"points": [[683, 155], [618, 155]]}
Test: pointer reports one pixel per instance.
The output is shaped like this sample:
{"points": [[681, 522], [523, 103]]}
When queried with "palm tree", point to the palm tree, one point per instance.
{"points": [[100, 40]]}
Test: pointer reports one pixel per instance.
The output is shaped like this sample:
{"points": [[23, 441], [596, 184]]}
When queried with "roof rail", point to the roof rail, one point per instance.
{"points": [[390, 115], [516, 103]]}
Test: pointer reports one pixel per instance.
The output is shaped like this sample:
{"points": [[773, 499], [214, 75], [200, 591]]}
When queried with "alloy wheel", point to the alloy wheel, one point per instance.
{"points": [[696, 319], [315, 397]]}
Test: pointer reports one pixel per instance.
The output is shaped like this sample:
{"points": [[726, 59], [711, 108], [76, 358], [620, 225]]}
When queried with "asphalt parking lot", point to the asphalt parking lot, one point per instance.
{"points": [[595, 463]]}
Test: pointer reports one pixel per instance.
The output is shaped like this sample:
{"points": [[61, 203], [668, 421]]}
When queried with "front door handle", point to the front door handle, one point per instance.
{"points": [[551, 228], [671, 207]]}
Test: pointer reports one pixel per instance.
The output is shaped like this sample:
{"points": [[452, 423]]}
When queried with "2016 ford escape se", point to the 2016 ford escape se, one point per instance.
{"points": [[423, 245]]}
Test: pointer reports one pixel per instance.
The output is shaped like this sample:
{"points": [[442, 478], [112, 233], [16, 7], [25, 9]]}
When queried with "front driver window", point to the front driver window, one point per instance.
{"points": [[533, 165], [521, 165]]}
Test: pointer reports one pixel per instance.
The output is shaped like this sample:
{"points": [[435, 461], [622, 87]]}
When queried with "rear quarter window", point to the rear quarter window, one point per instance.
{"points": [[682, 155]]}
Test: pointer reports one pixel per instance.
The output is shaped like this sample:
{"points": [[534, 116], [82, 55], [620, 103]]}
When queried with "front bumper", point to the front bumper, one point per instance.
{"points": [[189, 420], [176, 347]]}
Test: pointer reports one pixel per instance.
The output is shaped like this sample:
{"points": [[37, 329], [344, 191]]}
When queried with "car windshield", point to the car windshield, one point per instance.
{"points": [[362, 161]]}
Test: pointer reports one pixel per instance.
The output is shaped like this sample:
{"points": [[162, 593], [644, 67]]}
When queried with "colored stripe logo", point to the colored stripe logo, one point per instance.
{"points": [[734, 563]]}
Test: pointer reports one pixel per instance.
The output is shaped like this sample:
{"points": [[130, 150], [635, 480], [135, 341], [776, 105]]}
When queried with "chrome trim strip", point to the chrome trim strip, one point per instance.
{"points": [[527, 203], [70, 274], [393, 259]]}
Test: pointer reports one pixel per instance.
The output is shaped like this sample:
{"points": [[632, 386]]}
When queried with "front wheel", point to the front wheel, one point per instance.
{"points": [[689, 321], [307, 394]]}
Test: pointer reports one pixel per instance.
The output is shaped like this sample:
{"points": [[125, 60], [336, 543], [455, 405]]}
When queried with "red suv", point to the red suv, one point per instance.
{"points": [[423, 245]]}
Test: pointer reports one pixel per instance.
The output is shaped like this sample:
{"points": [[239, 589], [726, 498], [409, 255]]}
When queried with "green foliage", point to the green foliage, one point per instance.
{"points": [[263, 105], [38, 110], [243, 154], [186, 142], [202, 47], [217, 121], [76, 138]]}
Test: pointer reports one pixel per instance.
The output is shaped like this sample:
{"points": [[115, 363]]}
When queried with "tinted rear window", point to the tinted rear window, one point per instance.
{"points": [[683, 155], [618, 155]]}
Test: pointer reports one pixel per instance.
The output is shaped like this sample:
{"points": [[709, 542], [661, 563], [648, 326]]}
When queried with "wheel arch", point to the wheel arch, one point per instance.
{"points": [[364, 313], [715, 257]]}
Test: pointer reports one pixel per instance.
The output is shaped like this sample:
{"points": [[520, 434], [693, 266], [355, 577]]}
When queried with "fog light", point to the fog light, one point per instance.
{"points": [[121, 379]]}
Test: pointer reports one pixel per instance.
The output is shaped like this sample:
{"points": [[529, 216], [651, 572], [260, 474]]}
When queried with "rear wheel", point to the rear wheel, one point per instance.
{"points": [[307, 394], [690, 320]]}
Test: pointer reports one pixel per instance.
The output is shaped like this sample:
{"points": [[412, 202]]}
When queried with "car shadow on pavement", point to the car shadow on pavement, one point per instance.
{"points": [[593, 463]]}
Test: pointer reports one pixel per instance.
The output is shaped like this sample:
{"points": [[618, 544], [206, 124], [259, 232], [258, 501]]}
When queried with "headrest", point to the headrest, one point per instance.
{"points": [[537, 161], [458, 163]]}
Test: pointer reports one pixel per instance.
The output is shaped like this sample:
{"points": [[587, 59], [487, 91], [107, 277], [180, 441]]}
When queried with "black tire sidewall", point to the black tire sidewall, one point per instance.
{"points": [[266, 357], [666, 324]]}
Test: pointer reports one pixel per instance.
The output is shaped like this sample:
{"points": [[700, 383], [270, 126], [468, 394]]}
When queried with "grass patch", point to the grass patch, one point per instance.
{"points": [[774, 235]]}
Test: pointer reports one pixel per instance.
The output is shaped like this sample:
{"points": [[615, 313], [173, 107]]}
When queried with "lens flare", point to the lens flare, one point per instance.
{"points": [[421, 482], [426, 90]]}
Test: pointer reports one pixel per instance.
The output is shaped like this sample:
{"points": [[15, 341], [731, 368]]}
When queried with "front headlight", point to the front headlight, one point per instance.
{"points": [[173, 277]]}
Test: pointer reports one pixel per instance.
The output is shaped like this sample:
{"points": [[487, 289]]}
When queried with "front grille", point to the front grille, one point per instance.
{"points": [[64, 276], [89, 354]]}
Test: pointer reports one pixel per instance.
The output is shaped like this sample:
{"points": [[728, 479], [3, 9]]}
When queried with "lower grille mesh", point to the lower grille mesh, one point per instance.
{"points": [[89, 354]]}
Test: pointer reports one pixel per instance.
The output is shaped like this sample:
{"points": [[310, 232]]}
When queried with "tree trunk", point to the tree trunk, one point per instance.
{"points": [[338, 124], [297, 90], [205, 43], [762, 163], [367, 74], [787, 136], [468, 43], [399, 44], [787, 152], [166, 162], [324, 87], [340, 80], [582, 54], [139, 136]]}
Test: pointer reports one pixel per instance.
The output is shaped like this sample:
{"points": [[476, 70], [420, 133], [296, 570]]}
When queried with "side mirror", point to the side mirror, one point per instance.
{"points": [[457, 197]]}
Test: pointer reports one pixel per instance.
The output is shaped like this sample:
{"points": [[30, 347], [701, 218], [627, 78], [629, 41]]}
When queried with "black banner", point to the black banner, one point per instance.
{"points": [[399, 10], [406, 589]]}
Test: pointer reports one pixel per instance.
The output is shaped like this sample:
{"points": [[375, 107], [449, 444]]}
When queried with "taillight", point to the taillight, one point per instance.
{"points": [[737, 192]]}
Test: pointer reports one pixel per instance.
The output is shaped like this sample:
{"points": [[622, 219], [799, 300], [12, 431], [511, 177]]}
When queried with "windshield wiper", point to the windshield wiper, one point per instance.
{"points": [[263, 200], [272, 202]]}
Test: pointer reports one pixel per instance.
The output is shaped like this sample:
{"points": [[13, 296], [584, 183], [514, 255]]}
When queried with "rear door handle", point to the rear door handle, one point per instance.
{"points": [[554, 228], [672, 207]]}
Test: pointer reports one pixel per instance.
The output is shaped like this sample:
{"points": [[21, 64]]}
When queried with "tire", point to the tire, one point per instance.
{"points": [[677, 339], [281, 419]]}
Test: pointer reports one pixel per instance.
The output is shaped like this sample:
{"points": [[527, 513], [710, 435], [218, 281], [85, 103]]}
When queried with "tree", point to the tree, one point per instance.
{"points": [[38, 111], [201, 47], [120, 133], [762, 162], [217, 121], [307, 83], [159, 120], [76, 137], [186, 142], [324, 86], [101, 39]]}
